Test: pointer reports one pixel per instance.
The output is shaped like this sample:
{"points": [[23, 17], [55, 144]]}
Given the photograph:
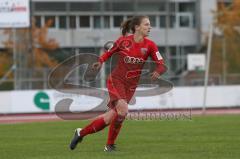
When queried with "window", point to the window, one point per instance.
{"points": [[62, 22], [84, 21], [153, 6], [162, 21], [172, 7], [107, 5], [172, 21], [106, 22], [187, 7], [72, 22], [173, 51], [162, 6], [123, 6], [194, 18], [184, 21], [50, 20], [173, 58], [96, 22], [189, 49], [129, 16], [85, 6], [173, 63], [37, 21], [50, 6], [152, 19], [117, 20]]}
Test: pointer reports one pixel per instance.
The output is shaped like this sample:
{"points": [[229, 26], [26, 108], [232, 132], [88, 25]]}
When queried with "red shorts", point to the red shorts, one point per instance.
{"points": [[118, 89]]}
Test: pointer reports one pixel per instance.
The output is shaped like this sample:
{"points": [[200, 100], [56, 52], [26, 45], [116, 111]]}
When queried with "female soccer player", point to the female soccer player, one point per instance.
{"points": [[133, 49]]}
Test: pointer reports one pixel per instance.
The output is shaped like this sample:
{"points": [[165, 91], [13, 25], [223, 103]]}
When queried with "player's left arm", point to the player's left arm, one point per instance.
{"points": [[157, 58]]}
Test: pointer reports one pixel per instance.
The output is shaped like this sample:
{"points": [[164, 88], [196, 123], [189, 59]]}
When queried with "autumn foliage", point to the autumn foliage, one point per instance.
{"points": [[40, 47], [228, 23]]}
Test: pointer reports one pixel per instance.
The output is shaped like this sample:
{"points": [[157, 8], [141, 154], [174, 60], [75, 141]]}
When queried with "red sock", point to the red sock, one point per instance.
{"points": [[97, 125], [114, 128]]}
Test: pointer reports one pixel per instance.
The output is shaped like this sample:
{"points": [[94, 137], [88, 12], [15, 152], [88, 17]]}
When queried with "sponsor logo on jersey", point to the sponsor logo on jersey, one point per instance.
{"points": [[159, 56], [133, 60], [144, 51]]}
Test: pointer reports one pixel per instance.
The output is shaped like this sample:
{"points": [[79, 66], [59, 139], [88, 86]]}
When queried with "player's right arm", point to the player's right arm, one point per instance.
{"points": [[110, 51], [106, 55]]}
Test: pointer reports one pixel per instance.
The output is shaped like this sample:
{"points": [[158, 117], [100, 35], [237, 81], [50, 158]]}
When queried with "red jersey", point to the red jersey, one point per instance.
{"points": [[123, 80], [131, 58]]}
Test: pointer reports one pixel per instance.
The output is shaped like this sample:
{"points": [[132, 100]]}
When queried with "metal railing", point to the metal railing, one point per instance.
{"points": [[39, 79]]}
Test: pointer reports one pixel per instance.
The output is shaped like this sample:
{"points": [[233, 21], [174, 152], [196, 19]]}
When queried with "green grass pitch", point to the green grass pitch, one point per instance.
{"points": [[203, 137]]}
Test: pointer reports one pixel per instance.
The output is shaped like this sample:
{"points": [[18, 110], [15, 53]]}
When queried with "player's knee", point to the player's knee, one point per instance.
{"points": [[123, 112], [108, 116], [122, 108]]}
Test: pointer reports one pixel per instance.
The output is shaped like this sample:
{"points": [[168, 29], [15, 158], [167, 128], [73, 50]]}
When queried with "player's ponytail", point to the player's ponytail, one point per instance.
{"points": [[128, 26]]}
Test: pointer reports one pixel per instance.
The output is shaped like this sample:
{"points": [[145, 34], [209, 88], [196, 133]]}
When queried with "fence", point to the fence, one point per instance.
{"points": [[38, 79]]}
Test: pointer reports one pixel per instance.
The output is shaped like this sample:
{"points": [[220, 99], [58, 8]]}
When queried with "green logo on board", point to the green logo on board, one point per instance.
{"points": [[41, 100]]}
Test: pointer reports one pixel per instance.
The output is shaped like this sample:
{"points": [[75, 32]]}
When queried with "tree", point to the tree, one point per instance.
{"points": [[226, 48], [33, 48], [41, 46], [5, 63]]}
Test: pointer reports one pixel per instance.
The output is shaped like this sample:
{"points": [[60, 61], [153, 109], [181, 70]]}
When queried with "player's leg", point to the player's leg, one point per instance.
{"points": [[96, 125], [116, 124]]}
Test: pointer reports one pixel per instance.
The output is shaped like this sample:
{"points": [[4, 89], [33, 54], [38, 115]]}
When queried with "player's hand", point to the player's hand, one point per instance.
{"points": [[96, 66], [154, 76]]}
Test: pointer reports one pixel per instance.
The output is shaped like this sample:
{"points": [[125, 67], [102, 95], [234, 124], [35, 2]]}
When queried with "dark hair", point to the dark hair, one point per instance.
{"points": [[129, 25]]}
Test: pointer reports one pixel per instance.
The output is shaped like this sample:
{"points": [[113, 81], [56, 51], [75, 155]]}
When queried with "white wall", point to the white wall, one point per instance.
{"points": [[5, 102], [179, 97]]}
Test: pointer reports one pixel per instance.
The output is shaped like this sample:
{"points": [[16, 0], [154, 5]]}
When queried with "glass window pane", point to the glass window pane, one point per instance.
{"points": [[173, 63], [97, 22], [172, 21], [173, 50], [50, 20], [37, 20], [62, 22], [117, 20], [152, 6], [162, 21], [172, 7], [107, 5], [162, 6], [72, 22], [184, 21], [129, 16], [84, 21], [152, 19], [187, 7], [50, 6], [189, 49], [85, 6], [194, 21], [106, 22], [123, 6]]}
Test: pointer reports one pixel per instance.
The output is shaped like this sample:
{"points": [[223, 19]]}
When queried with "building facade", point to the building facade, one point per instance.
{"points": [[179, 27]]}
